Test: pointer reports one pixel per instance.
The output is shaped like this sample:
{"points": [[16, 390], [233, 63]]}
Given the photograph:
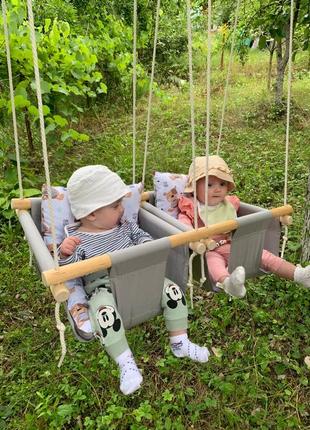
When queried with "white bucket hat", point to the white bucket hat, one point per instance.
{"points": [[93, 187], [216, 167]]}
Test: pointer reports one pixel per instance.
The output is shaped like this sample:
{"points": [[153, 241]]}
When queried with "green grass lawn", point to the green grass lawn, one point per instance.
{"points": [[258, 378]]}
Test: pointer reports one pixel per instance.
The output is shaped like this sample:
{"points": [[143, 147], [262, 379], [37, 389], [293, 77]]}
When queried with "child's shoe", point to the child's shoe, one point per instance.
{"points": [[181, 346], [79, 313], [131, 378], [234, 284], [302, 276]]}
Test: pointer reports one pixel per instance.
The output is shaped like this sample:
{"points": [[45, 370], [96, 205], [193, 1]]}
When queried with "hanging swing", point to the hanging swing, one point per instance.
{"points": [[137, 274], [257, 229]]}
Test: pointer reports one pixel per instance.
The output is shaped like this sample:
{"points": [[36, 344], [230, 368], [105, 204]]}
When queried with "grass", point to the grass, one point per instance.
{"points": [[258, 378]]}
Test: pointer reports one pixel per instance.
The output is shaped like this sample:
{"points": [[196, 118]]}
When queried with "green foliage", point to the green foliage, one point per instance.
{"points": [[68, 74], [9, 187]]}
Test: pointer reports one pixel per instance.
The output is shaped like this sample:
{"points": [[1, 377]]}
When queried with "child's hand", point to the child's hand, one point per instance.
{"points": [[69, 245]]}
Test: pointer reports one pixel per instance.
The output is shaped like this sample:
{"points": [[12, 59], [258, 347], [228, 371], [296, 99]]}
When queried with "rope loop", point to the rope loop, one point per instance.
{"points": [[61, 328]]}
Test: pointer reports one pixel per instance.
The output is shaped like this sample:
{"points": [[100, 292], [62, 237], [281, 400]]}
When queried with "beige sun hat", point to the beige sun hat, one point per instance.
{"points": [[93, 187], [216, 167]]}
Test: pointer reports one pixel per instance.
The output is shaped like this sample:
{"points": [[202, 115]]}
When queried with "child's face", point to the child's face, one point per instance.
{"points": [[217, 190], [108, 217]]}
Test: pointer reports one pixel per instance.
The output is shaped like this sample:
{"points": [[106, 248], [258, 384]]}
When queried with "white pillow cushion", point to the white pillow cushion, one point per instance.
{"points": [[168, 188]]}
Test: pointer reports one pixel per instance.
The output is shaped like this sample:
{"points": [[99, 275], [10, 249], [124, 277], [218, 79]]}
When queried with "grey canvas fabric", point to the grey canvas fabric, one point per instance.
{"points": [[177, 262], [257, 231], [42, 255], [137, 274], [137, 278], [248, 242]]}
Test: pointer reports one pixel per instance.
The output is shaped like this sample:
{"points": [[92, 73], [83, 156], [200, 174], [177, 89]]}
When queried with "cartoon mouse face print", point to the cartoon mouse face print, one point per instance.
{"points": [[175, 296], [107, 318]]}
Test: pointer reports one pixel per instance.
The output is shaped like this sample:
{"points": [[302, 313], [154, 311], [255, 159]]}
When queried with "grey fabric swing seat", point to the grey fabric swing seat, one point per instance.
{"points": [[257, 230], [137, 273]]}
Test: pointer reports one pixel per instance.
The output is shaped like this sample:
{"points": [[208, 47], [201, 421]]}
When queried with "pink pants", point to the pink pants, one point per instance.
{"points": [[218, 261]]}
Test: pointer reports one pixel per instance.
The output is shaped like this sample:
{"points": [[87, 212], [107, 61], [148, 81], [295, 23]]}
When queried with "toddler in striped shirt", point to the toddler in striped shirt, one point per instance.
{"points": [[95, 195]]}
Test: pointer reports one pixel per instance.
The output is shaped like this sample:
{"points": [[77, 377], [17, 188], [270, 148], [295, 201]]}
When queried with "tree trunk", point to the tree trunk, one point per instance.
{"points": [[223, 52], [305, 251], [283, 55], [281, 65], [271, 51]]}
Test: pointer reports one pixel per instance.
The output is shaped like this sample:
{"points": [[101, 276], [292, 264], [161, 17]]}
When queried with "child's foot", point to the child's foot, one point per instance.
{"points": [[181, 346], [234, 284], [302, 276], [131, 378], [79, 313]]}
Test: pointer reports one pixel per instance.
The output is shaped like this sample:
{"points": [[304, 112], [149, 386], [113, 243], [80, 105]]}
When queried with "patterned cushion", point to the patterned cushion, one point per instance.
{"points": [[63, 215], [168, 188]]}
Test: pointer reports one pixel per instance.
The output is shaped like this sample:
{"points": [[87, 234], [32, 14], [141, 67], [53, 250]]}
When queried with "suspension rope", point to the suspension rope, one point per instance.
{"points": [[61, 328], [190, 284], [134, 92], [208, 109], [148, 122], [288, 111], [10, 75], [42, 127], [192, 104], [228, 76]]}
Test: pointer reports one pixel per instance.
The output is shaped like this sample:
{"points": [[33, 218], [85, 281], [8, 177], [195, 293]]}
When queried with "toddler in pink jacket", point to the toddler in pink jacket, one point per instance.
{"points": [[222, 207]]}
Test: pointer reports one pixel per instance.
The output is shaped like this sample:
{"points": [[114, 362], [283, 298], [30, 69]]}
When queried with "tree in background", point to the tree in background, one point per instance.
{"points": [[269, 20]]}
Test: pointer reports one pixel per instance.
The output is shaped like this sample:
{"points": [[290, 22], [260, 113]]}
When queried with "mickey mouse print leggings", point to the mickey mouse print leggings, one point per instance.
{"points": [[107, 323]]}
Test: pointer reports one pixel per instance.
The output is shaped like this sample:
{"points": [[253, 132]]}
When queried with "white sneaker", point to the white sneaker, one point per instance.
{"points": [[234, 284], [79, 313]]}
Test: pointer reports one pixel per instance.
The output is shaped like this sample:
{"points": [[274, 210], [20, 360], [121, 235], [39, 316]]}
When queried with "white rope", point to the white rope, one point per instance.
{"points": [[190, 284], [8, 57], [61, 328], [192, 104], [288, 110], [208, 110], [134, 92], [42, 127], [148, 122], [228, 76], [202, 268]]}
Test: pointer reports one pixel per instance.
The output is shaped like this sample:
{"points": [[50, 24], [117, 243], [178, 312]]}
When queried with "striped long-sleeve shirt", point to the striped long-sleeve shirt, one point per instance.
{"points": [[93, 244]]}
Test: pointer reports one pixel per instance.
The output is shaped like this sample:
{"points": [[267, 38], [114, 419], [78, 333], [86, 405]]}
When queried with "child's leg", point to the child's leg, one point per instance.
{"points": [[176, 313], [110, 331], [285, 269], [232, 284], [78, 308], [217, 261]]}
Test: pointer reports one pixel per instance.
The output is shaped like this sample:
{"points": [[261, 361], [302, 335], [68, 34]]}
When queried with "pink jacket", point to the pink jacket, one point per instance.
{"points": [[186, 215]]}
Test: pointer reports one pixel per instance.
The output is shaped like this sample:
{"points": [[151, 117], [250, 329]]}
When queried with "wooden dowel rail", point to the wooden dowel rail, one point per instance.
{"points": [[94, 264], [21, 204], [26, 202]]}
